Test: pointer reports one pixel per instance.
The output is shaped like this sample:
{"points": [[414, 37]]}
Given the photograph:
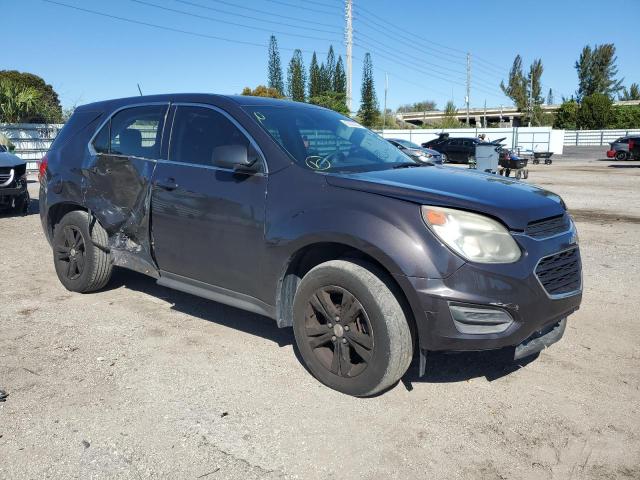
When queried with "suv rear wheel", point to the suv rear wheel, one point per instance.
{"points": [[621, 155], [80, 264], [350, 329]]}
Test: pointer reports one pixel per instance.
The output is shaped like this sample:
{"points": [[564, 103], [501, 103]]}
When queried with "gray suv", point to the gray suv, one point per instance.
{"points": [[302, 215], [620, 147]]}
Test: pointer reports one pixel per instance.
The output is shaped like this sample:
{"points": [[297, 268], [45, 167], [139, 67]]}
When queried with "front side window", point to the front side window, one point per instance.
{"points": [[324, 140], [134, 132], [198, 131]]}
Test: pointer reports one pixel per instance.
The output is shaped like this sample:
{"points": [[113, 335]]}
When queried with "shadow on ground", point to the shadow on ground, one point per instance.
{"points": [[441, 368]]}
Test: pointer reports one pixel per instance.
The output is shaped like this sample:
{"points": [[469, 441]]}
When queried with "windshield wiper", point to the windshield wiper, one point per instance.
{"points": [[407, 165]]}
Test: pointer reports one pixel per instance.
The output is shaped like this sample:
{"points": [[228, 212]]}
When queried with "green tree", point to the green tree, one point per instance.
{"points": [[368, 113], [329, 71], [632, 94], [625, 116], [422, 106], [567, 115], [275, 69], [262, 91], [46, 108], [597, 71], [550, 97], [450, 119], [535, 92], [595, 112], [340, 78], [516, 88], [296, 77], [17, 102], [314, 77], [333, 100]]}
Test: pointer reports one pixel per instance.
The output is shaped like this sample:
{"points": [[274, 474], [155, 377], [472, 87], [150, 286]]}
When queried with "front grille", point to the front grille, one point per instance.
{"points": [[559, 274], [548, 227]]}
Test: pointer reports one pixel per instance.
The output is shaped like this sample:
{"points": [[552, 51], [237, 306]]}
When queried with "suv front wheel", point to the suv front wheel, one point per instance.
{"points": [[350, 329]]}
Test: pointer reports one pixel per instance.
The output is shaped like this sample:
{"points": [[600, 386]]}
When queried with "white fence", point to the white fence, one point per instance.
{"points": [[594, 137], [538, 139], [32, 140]]}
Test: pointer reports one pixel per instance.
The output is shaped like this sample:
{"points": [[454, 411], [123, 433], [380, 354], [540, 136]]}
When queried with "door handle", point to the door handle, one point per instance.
{"points": [[167, 184]]}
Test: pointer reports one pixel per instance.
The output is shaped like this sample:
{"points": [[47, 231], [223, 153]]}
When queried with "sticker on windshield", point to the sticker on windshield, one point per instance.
{"points": [[318, 163], [259, 116], [351, 124]]}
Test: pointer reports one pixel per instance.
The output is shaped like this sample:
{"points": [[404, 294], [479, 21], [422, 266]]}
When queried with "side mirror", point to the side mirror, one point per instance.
{"points": [[235, 157]]}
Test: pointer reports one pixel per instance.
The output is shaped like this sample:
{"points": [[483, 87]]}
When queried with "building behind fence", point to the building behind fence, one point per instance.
{"points": [[31, 140]]}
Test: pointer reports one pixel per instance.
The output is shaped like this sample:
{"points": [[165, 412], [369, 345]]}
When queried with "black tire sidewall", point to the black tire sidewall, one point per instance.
{"points": [[621, 156], [371, 377], [80, 220]]}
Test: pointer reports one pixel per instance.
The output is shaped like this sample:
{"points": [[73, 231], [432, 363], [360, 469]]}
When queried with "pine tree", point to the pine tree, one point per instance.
{"points": [[597, 71], [329, 70], [275, 69], [550, 97], [340, 78], [368, 112], [296, 77], [516, 89], [632, 94], [314, 77]]}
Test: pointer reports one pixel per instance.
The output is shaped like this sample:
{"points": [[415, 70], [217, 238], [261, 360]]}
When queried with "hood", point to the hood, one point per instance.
{"points": [[10, 160], [513, 202]]}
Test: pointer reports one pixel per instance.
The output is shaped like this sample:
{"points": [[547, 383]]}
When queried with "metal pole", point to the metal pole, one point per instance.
{"points": [[466, 99], [349, 44]]}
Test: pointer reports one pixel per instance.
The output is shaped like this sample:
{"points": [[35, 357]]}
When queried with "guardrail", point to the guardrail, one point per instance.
{"points": [[584, 138]]}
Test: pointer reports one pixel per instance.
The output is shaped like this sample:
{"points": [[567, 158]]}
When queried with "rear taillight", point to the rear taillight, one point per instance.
{"points": [[631, 144], [42, 168]]}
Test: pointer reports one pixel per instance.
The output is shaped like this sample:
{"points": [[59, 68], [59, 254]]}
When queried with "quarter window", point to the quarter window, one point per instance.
{"points": [[198, 131], [134, 132]]}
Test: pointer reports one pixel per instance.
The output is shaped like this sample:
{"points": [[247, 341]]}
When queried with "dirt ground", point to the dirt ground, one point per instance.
{"points": [[139, 381]]}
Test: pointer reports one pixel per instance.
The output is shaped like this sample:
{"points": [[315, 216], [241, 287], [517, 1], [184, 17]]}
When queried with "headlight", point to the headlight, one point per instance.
{"points": [[475, 237]]}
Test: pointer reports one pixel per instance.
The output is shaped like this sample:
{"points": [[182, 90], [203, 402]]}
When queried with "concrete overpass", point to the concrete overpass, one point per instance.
{"points": [[478, 117]]}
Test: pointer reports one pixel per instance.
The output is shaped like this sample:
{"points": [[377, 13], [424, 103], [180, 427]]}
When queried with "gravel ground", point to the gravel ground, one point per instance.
{"points": [[138, 381]]}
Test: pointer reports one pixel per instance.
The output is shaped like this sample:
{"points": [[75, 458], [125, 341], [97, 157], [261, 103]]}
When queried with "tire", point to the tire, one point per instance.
{"points": [[80, 264], [525, 174], [621, 155], [327, 343], [518, 174]]}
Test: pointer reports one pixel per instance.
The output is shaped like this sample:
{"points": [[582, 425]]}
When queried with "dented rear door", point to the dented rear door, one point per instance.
{"points": [[123, 157]]}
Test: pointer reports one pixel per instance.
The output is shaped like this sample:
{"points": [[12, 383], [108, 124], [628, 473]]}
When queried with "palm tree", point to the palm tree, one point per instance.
{"points": [[16, 102]]}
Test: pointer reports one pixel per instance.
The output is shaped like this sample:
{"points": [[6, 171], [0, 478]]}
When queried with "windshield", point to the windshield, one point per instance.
{"points": [[324, 140]]}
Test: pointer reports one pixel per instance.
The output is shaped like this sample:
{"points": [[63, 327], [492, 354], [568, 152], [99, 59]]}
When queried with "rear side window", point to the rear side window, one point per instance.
{"points": [[198, 131], [134, 132]]}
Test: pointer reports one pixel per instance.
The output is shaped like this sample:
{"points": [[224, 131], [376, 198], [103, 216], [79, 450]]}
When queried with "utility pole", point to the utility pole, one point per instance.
{"points": [[384, 112], [467, 99], [348, 34], [530, 108]]}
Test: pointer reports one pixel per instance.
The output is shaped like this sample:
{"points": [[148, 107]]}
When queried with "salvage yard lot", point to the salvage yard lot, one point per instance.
{"points": [[139, 381]]}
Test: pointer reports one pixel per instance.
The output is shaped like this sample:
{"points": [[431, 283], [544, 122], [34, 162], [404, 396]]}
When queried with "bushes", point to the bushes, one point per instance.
{"points": [[596, 112]]}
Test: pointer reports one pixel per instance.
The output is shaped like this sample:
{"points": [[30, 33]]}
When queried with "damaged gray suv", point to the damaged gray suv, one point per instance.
{"points": [[302, 215]]}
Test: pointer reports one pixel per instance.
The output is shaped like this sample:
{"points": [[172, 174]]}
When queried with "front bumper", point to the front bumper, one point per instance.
{"points": [[8, 195], [511, 288]]}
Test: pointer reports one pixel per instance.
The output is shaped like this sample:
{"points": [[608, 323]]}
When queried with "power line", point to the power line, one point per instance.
{"points": [[293, 5], [217, 20], [263, 12], [169, 29]]}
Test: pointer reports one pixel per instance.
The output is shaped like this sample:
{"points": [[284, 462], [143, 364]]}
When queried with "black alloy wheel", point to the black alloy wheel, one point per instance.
{"points": [[70, 251], [338, 331]]}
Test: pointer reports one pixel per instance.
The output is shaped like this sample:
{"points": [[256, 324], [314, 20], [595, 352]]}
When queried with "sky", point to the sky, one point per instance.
{"points": [[220, 46]]}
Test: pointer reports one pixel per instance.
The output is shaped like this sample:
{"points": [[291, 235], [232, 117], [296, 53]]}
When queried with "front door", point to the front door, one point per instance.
{"points": [[208, 222]]}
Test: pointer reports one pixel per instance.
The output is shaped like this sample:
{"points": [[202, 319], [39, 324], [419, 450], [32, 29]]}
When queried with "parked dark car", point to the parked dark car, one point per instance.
{"points": [[457, 149], [619, 149], [418, 153], [302, 215], [634, 148], [14, 195]]}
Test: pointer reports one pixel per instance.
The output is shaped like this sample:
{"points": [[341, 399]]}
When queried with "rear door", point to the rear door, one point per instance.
{"points": [[118, 174], [208, 222]]}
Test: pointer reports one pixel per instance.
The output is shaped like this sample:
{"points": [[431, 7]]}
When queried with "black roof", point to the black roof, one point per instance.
{"points": [[243, 100]]}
